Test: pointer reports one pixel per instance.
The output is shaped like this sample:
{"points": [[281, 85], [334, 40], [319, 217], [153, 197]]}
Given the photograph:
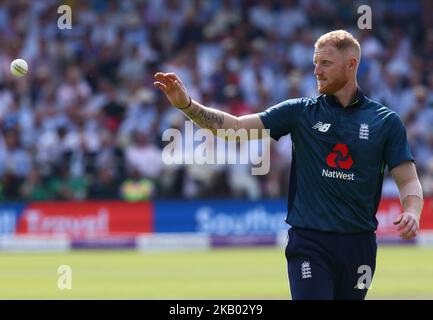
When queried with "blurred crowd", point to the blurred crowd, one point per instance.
{"points": [[87, 123]]}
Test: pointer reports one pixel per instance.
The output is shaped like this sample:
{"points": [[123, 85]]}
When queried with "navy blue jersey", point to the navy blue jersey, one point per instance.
{"points": [[339, 157]]}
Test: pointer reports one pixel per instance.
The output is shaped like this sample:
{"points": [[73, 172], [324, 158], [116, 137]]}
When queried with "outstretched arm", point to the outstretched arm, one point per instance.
{"points": [[203, 116], [411, 199]]}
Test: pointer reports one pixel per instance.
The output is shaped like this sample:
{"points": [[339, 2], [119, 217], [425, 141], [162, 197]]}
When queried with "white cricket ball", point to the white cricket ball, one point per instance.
{"points": [[19, 67]]}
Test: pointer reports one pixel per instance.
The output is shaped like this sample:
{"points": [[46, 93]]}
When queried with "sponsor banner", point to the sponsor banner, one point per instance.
{"points": [[282, 238], [426, 222], [113, 242], [221, 217], [425, 238], [86, 219], [394, 240], [9, 214], [14, 243], [243, 241], [173, 242]]}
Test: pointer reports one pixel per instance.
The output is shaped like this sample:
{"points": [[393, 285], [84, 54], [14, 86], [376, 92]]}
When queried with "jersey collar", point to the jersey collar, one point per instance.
{"points": [[356, 102]]}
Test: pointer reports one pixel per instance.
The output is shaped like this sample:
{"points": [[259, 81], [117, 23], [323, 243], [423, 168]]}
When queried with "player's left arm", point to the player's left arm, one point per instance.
{"points": [[411, 199]]}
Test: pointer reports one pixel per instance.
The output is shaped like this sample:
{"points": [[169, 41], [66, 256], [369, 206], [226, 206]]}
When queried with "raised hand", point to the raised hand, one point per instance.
{"points": [[173, 88]]}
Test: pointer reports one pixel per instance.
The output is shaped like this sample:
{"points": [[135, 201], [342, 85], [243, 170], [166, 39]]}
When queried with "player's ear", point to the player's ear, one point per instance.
{"points": [[349, 59], [352, 63]]}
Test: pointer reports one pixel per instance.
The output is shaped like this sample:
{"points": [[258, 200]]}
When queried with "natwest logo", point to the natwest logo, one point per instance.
{"points": [[340, 157]]}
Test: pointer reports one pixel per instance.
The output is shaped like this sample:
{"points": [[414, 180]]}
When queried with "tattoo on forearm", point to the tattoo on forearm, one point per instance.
{"points": [[209, 119]]}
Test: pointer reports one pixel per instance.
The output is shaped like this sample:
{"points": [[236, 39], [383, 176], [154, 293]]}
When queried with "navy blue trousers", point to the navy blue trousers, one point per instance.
{"points": [[324, 265]]}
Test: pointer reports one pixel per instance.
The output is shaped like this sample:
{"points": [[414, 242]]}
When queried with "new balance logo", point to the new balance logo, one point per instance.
{"points": [[306, 270], [322, 127]]}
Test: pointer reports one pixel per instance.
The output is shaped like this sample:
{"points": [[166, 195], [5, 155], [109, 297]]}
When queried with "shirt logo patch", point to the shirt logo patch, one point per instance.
{"points": [[363, 131], [340, 157], [322, 127], [306, 270]]}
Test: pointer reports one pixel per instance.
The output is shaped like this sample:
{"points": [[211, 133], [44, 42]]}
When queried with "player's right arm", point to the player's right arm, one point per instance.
{"points": [[203, 116]]}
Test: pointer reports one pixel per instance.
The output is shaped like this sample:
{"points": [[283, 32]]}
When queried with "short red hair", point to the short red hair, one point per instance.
{"points": [[342, 40]]}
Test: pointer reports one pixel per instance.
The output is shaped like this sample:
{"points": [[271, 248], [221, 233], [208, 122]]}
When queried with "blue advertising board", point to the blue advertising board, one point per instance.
{"points": [[221, 217], [9, 215]]}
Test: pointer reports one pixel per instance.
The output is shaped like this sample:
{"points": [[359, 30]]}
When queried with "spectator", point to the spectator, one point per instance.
{"points": [[105, 186], [137, 188], [34, 188], [65, 187], [74, 91], [143, 156], [14, 159]]}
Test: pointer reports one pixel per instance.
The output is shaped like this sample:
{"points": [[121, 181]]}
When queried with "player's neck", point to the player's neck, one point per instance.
{"points": [[346, 94]]}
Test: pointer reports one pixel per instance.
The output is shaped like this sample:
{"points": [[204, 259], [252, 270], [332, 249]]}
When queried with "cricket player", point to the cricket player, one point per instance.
{"points": [[342, 142]]}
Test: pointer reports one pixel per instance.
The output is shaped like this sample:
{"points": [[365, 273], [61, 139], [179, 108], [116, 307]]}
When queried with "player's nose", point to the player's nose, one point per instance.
{"points": [[317, 70]]}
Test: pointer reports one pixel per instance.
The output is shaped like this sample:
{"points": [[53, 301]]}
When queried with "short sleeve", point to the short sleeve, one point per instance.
{"points": [[397, 148], [281, 118]]}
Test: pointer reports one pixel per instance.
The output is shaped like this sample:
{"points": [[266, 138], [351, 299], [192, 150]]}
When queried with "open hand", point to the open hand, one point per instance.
{"points": [[173, 88]]}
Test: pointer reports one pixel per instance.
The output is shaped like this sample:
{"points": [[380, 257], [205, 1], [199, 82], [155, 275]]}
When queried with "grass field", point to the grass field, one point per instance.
{"points": [[402, 273]]}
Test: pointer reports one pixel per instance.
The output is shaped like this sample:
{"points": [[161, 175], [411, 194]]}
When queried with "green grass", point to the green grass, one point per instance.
{"points": [[402, 273]]}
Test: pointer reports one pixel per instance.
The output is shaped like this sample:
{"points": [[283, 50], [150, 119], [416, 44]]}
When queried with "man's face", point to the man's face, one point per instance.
{"points": [[330, 69]]}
